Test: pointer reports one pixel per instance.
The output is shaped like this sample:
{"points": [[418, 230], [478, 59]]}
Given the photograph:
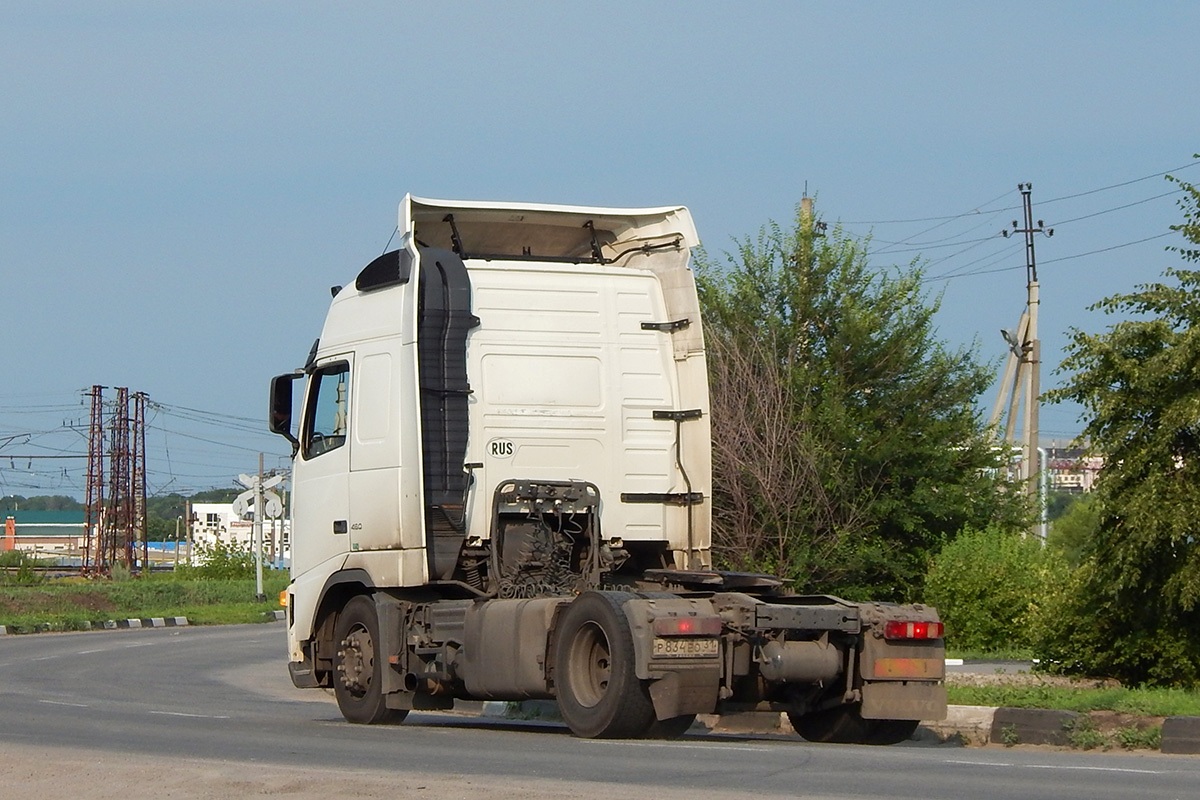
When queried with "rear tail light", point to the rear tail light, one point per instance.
{"points": [[898, 629], [687, 626]]}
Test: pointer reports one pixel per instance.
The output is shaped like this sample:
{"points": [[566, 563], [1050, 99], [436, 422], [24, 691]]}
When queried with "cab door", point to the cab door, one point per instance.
{"points": [[321, 507]]}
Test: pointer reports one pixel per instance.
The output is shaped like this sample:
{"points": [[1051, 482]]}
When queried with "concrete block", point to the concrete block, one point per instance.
{"points": [[1032, 726], [3, 630], [752, 722], [1181, 735], [967, 724]]}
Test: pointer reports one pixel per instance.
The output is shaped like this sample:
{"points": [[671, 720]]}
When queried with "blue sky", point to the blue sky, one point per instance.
{"points": [[182, 182]]}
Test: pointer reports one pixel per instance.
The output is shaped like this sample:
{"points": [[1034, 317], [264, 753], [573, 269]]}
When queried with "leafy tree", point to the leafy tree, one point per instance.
{"points": [[217, 495], [1073, 531], [1059, 503], [1140, 384], [56, 502], [847, 446]]}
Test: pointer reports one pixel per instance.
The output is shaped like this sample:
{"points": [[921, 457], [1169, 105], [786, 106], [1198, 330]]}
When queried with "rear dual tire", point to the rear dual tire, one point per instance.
{"points": [[846, 725], [599, 693]]}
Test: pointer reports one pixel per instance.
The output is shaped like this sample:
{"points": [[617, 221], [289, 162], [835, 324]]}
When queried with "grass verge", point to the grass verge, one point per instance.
{"points": [[1139, 702], [76, 603]]}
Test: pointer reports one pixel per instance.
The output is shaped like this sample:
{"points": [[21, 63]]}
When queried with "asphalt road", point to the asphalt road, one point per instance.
{"points": [[197, 697]]}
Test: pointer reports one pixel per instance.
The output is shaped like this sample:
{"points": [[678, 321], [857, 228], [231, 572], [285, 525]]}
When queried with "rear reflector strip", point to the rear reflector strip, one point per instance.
{"points": [[897, 629], [910, 668]]}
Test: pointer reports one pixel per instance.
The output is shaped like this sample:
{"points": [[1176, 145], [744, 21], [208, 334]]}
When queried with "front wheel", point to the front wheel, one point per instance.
{"points": [[846, 725], [599, 693], [358, 666]]}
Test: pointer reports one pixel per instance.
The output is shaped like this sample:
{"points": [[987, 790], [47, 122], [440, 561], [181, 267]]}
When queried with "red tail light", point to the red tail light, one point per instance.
{"points": [[687, 626], [898, 629]]}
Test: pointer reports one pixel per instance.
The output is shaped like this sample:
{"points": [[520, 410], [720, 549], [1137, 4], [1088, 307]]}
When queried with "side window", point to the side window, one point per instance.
{"points": [[328, 410]]}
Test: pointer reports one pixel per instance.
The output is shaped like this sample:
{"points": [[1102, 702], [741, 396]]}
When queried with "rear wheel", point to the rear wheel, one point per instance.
{"points": [[671, 728], [846, 725], [599, 693], [358, 666]]}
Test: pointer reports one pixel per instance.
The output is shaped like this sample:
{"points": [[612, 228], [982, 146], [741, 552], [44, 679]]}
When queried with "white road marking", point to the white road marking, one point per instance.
{"points": [[196, 716], [1098, 769], [707, 746], [63, 703], [1009, 765]]}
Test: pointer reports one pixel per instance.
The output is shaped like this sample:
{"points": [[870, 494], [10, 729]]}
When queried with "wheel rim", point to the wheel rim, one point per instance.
{"points": [[590, 665], [357, 661]]}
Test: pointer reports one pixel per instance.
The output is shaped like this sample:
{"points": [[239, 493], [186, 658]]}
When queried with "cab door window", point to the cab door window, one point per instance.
{"points": [[328, 410]]}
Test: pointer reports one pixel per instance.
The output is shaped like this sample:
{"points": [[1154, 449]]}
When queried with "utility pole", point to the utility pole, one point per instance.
{"points": [[188, 518], [259, 511], [265, 504], [1027, 348]]}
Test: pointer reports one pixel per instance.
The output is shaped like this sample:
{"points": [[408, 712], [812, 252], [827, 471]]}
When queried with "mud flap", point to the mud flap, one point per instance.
{"points": [[691, 691], [904, 700]]}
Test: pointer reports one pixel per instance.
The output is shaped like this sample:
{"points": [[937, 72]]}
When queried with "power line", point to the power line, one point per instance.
{"points": [[950, 217], [952, 275], [1116, 208], [1107, 249], [946, 218], [1119, 185]]}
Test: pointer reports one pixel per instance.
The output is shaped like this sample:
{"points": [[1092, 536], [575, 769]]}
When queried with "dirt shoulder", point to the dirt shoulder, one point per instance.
{"points": [[29, 771]]}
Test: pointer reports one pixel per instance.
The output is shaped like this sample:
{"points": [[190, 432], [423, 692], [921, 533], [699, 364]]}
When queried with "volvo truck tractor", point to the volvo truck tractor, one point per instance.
{"points": [[502, 490]]}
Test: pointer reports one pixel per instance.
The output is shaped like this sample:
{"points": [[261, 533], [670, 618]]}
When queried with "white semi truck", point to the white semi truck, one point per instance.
{"points": [[502, 488]]}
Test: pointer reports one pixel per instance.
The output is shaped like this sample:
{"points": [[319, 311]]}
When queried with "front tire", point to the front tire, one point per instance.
{"points": [[599, 693], [358, 666]]}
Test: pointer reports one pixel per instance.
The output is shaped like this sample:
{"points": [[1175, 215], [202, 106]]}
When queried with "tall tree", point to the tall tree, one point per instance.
{"points": [[847, 445], [1139, 382]]}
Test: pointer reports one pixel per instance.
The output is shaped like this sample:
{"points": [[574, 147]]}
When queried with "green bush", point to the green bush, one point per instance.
{"points": [[24, 574], [1089, 627], [220, 561], [988, 586]]}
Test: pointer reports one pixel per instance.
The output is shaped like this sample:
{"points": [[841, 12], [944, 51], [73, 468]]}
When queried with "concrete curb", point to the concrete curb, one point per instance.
{"points": [[964, 724], [119, 624], [1033, 726], [144, 622], [1181, 735], [149, 622]]}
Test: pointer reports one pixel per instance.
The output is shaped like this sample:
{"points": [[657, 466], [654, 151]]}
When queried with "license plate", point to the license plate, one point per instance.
{"points": [[685, 648]]}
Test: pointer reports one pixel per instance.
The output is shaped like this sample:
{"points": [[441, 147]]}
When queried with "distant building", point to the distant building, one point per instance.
{"points": [[43, 531], [216, 522], [1072, 470]]}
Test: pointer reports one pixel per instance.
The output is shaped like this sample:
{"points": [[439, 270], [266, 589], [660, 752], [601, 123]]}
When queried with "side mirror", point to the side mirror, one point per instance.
{"points": [[280, 412]]}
